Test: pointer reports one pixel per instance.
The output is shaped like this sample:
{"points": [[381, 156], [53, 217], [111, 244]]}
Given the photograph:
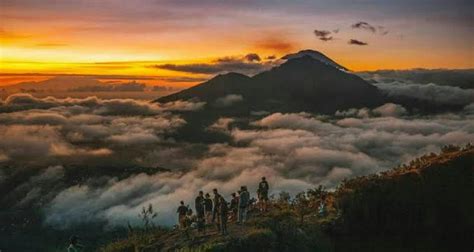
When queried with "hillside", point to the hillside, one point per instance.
{"points": [[422, 206]]}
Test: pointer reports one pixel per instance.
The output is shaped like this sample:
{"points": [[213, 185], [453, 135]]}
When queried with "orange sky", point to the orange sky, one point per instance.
{"points": [[129, 37]]}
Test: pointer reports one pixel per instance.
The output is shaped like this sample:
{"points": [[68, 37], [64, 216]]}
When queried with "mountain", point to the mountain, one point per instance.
{"points": [[219, 86], [307, 81], [315, 55]]}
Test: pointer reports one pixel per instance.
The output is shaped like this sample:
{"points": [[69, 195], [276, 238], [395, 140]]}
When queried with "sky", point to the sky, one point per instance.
{"points": [[140, 38]]}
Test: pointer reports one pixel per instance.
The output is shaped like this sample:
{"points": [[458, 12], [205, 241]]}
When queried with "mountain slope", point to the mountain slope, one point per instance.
{"points": [[311, 85], [422, 206], [221, 85], [301, 83]]}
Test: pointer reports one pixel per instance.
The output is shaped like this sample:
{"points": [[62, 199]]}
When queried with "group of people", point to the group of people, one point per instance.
{"points": [[218, 211]]}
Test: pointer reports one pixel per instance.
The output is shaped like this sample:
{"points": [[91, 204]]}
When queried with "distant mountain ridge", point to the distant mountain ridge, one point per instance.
{"points": [[307, 81]]}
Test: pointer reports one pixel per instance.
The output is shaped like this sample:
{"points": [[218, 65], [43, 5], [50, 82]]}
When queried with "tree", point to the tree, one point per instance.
{"points": [[147, 215], [301, 203]]}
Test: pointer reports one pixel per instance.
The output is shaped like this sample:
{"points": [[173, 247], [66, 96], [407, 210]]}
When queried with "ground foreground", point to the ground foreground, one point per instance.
{"points": [[422, 206]]}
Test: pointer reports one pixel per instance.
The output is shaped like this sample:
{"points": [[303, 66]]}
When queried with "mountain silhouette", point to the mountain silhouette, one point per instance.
{"points": [[307, 81]]}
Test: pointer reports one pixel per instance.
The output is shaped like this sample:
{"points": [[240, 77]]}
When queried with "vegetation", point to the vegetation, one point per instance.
{"points": [[425, 205]]}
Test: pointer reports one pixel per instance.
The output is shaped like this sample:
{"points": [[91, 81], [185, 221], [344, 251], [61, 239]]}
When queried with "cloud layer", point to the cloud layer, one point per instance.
{"points": [[295, 151], [439, 94]]}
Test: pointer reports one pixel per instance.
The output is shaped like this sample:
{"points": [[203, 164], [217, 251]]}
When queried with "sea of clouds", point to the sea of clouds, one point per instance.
{"points": [[295, 151]]}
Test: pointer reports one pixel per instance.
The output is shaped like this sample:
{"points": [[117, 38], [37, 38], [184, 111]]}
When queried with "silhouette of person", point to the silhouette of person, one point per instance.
{"points": [[182, 210], [262, 194]]}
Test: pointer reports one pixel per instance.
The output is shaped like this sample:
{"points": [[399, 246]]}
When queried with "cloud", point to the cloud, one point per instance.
{"points": [[364, 26], [36, 128], [463, 78], [222, 124], [180, 105], [390, 109], [357, 42], [125, 87], [104, 77], [33, 141], [228, 100], [438, 94], [323, 35], [294, 151], [469, 109], [165, 88], [39, 187], [248, 64], [275, 44], [271, 57], [134, 138], [21, 101], [371, 28], [252, 57], [386, 110]]}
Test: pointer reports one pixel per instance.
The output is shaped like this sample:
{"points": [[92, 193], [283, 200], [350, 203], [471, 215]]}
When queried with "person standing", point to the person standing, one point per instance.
{"points": [[322, 206], [199, 206], [182, 211], [234, 206], [262, 193], [215, 202], [208, 208], [223, 212], [243, 204]]}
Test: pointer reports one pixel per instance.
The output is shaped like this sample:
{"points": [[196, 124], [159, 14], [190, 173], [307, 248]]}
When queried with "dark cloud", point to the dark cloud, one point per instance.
{"points": [[323, 35], [249, 64], [357, 42], [271, 57], [364, 26], [251, 57], [368, 27]]}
